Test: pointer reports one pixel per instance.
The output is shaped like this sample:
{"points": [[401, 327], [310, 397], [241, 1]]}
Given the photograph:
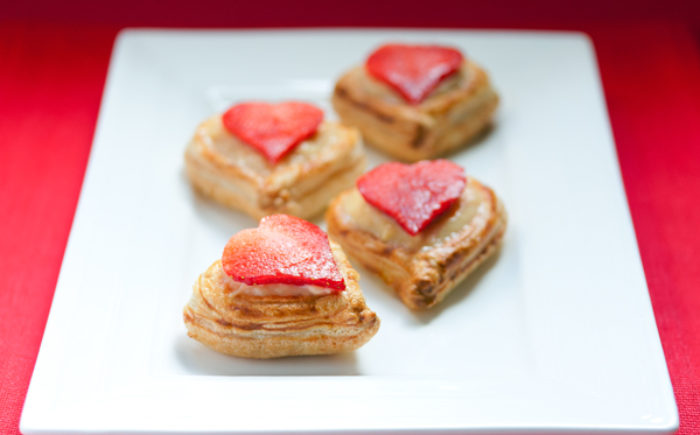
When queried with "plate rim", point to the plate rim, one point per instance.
{"points": [[668, 425]]}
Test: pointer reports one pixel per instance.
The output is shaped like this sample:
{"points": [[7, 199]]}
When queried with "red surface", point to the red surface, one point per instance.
{"points": [[413, 195], [273, 129], [414, 71], [274, 13], [51, 79], [283, 249]]}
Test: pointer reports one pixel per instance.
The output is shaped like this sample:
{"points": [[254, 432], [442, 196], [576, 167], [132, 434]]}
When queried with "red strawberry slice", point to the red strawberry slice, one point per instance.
{"points": [[413, 195], [273, 129], [413, 70], [282, 250]]}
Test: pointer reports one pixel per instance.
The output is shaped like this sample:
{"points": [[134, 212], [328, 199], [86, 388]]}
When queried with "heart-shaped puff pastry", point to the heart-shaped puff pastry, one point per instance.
{"points": [[263, 158], [280, 289], [461, 223], [416, 102]]}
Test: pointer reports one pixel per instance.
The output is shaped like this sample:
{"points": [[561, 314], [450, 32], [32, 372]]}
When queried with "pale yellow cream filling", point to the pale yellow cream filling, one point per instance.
{"points": [[318, 148], [235, 287], [474, 207]]}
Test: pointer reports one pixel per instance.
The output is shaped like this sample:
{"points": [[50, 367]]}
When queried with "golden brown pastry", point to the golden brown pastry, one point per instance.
{"points": [[422, 267], [296, 310], [313, 165], [440, 104]]}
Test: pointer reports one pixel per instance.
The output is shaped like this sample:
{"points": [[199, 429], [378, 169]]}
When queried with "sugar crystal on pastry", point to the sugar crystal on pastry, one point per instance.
{"points": [[282, 250]]}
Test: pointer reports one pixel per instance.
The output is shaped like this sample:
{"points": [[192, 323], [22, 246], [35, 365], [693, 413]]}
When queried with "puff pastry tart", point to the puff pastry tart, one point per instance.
{"points": [[423, 227], [416, 102], [280, 289], [267, 158]]}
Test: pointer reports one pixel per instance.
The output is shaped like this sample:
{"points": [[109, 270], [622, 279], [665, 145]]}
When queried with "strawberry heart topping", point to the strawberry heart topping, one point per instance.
{"points": [[413, 195], [413, 70], [282, 250], [273, 129]]}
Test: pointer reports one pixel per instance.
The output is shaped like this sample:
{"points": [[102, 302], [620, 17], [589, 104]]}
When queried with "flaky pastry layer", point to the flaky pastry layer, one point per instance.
{"points": [[301, 184], [274, 326], [458, 110], [422, 269]]}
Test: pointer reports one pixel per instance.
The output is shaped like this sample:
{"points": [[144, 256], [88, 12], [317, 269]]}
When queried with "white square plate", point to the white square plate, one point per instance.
{"points": [[555, 334]]}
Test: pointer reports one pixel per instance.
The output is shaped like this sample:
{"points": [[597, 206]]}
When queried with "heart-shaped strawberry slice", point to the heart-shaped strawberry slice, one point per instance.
{"points": [[283, 249], [413, 195], [413, 70], [273, 129]]}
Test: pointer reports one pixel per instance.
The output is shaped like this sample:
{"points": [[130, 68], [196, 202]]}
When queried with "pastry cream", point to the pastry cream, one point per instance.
{"points": [[474, 205], [234, 287], [454, 113], [302, 183], [376, 89], [245, 158]]}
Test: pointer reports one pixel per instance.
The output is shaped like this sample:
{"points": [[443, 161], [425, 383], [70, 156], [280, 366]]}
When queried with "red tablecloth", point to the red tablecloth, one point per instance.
{"points": [[51, 80]]}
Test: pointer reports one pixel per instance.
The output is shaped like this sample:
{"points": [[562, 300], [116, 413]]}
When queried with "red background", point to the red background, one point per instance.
{"points": [[53, 61]]}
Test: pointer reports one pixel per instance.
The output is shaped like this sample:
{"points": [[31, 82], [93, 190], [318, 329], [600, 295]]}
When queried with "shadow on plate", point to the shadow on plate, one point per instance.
{"points": [[376, 291], [198, 359], [226, 220], [474, 143], [459, 293]]}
